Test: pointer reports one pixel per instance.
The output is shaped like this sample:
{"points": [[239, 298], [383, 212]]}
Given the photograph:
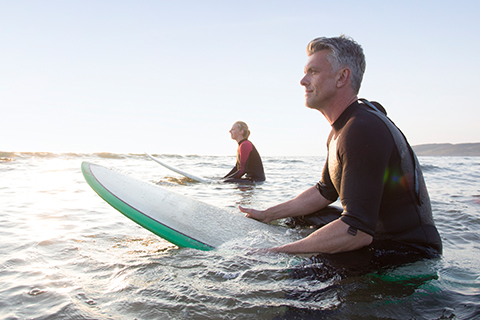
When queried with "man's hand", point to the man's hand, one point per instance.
{"points": [[259, 215], [307, 202]]}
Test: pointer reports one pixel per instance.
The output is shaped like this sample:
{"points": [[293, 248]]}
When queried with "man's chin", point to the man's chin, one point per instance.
{"points": [[312, 105]]}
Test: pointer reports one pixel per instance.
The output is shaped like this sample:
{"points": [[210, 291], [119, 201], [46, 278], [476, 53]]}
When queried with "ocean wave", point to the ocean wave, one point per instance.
{"points": [[4, 154], [430, 168], [13, 155], [108, 155], [105, 155]]}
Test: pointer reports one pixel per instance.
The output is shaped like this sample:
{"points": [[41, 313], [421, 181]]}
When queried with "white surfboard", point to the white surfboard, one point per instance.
{"points": [[178, 219], [183, 173]]}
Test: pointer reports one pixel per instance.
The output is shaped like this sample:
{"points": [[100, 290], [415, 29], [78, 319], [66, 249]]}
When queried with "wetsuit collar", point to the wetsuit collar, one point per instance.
{"points": [[342, 118], [242, 141]]}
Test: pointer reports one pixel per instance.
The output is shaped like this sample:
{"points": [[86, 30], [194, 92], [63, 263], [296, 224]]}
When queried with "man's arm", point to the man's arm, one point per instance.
{"points": [[332, 238], [307, 202]]}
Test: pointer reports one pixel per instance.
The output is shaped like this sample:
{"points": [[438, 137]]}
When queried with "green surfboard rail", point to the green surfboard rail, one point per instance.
{"points": [[161, 230]]}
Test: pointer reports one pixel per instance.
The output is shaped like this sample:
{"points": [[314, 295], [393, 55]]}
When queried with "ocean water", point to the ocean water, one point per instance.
{"points": [[66, 254]]}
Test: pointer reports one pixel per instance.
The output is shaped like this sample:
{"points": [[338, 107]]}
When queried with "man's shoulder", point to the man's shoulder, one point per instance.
{"points": [[365, 130], [363, 118]]}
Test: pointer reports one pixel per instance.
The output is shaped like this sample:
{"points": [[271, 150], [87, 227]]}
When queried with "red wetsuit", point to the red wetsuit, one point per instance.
{"points": [[248, 163]]}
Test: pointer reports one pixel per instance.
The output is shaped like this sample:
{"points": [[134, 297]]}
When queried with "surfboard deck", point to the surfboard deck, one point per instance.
{"points": [[183, 173], [176, 218]]}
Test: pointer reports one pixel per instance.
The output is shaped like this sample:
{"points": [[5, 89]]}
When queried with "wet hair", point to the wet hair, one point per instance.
{"points": [[344, 53], [243, 126]]}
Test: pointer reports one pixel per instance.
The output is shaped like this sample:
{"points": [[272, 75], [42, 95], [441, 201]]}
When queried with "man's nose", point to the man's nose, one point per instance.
{"points": [[304, 81]]}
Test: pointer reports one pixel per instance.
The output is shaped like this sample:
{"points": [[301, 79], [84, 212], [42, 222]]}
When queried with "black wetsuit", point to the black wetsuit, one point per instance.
{"points": [[248, 163], [373, 170]]}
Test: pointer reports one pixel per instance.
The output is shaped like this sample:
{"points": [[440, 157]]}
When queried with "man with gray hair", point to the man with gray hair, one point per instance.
{"points": [[370, 166]]}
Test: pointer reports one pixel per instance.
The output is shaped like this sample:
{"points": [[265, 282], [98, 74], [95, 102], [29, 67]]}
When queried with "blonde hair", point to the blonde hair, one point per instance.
{"points": [[243, 127]]}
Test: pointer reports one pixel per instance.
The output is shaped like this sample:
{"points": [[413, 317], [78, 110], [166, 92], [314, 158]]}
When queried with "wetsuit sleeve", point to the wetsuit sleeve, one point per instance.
{"points": [[242, 157], [243, 153], [325, 186], [232, 172], [364, 153]]}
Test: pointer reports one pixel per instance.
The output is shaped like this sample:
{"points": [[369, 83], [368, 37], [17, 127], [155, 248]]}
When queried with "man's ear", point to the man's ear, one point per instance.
{"points": [[343, 77]]}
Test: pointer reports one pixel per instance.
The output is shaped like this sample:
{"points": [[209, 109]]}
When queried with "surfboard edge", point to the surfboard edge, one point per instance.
{"points": [[138, 217]]}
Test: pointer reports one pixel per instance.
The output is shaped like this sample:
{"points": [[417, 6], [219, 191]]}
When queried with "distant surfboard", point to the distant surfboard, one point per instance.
{"points": [[183, 173], [178, 219]]}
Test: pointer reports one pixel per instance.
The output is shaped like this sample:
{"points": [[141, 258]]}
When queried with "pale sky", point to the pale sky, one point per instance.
{"points": [[171, 77]]}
